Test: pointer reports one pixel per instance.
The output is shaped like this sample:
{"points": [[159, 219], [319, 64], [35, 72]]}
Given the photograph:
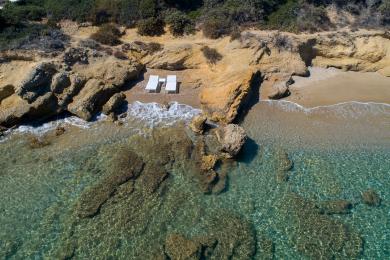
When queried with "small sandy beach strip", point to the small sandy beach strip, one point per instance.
{"points": [[332, 86]]}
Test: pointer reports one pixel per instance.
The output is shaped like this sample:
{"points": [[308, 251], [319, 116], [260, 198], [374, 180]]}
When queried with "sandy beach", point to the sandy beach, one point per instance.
{"points": [[331, 86]]}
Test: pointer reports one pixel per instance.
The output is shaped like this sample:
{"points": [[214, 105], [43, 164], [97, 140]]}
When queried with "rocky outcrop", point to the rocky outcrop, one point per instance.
{"points": [[49, 89], [223, 102], [360, 51], [232, 138], [198, 124], [171, 58], [114, 103], [37, 82]]}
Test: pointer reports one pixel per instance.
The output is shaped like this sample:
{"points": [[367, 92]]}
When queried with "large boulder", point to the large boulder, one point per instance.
{"points": [[92, 97], [37, 82], [232, 138], [198, 124], [105, 77], [114, 103]]}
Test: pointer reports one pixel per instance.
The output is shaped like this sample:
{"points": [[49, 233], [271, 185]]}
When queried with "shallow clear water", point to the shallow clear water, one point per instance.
{"points": [[337, 153]]}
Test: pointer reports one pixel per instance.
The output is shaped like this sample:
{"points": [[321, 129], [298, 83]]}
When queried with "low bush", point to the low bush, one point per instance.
{"points": [[179, 23], [151, 27], [107, 34], [215, 27], [235, 34], [282, 42], [212, 55]]}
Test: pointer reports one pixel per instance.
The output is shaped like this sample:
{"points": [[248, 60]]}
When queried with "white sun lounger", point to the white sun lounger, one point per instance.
{"points": [[171, 86], [152, 85]]}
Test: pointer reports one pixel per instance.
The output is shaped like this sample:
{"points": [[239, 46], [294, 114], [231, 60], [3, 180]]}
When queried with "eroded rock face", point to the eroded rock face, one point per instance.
{"points": [[37, 82], [198, 124], [115, 102], [172, 58], [232, 137]]}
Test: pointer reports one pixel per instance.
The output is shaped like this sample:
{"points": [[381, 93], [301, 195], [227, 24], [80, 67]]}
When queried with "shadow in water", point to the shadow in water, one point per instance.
{"points": [[249, 151], [252, 98]]}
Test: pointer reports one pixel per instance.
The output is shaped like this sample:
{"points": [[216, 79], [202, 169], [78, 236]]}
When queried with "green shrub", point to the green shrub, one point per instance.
{"points": [[15, 14], [107, 34], [151, 27], [179, 23], [212, 55], [285, 17], [215, 27]]}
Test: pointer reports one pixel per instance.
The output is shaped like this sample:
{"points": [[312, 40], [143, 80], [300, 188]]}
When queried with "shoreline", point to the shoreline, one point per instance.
{"points": [[327, 87]]}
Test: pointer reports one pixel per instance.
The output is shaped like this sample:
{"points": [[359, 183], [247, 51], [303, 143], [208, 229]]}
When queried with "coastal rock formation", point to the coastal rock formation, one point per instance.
{"points": [[47, 89], [360, 51], [114, 103], [171, 58], [222, 102], [232, 138], [37, 82], [198, 124]]}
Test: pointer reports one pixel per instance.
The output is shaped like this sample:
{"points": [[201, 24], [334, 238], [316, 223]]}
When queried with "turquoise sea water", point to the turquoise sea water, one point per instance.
{"points": [[337, 152]]}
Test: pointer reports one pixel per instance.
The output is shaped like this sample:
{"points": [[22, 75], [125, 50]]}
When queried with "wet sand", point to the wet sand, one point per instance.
{"points": [[331, 86]]}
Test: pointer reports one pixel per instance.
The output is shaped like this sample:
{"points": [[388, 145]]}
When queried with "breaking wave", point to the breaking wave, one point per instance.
{"points": [[147, 114]]}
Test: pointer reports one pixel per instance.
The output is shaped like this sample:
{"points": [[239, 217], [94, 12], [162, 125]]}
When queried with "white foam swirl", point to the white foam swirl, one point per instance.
{"points": [[148, 114]]}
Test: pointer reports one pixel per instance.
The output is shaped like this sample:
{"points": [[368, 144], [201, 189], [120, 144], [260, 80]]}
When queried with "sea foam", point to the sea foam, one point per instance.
{"points": [[351, 109], [147, 114]]}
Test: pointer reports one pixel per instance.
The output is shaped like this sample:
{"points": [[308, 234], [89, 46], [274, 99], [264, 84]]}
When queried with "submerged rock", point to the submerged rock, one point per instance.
{"points": [[228, 238], [371, 198], [232, 137], [125, 165], [179, 247], [319, 236], [335, 207]]}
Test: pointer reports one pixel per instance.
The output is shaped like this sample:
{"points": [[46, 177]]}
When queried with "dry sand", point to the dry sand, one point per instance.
{"points": [[332, 86], [188, 93]]}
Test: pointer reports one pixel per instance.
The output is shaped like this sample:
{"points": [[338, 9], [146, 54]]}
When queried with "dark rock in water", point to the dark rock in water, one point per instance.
{"points": [[371, 198], [38, 142], [37, 82], [179, 247], [114, 103], [125, 165], [282, 176], [283, 166], [76, 55], [335, 207], [319, 236], [152, 177]]}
